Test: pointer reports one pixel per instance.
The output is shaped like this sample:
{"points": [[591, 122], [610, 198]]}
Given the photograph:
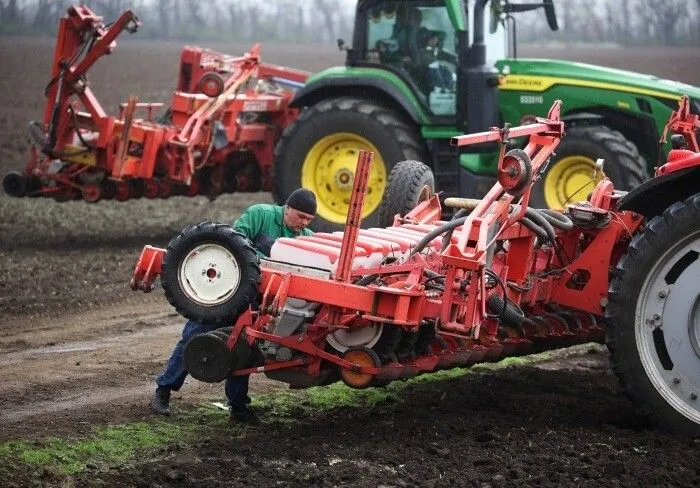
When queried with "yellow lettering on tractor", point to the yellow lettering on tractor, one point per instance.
{"points": [[543, 83]]}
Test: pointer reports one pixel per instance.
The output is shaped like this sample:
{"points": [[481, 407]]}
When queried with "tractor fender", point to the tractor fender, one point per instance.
{"points": [[376, 89], [582, 118], [654, 196]]}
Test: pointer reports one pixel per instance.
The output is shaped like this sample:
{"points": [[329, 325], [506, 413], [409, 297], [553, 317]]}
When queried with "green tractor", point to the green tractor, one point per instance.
{"points": [[416, 75]]}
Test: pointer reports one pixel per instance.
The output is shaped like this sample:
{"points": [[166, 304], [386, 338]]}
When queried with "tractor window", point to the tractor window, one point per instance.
{"points": [[420, 43]]}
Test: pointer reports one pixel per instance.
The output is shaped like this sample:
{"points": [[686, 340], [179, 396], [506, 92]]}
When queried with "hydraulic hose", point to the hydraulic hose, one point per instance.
{"points": [[539, 231], [448, 235], [366, 280], [557, 219], [537, 218], [451, 225]]}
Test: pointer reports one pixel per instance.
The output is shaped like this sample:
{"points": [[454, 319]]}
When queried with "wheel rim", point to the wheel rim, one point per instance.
{"points": [[343, 339], [209, 275], [569, 180], [329, 169], [356, 379], [667, 328], [91, 193]]}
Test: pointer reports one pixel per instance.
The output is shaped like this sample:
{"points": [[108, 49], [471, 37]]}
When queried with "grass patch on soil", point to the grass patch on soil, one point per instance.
{"points": [[60, 457], [120, 445]]}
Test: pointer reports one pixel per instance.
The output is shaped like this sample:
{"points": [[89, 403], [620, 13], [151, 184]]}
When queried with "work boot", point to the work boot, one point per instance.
{"points": [[243, 415], [161, 401]]}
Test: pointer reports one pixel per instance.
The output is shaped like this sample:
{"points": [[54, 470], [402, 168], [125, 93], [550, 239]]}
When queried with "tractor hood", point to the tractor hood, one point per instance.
{"points": [[540, 74]]}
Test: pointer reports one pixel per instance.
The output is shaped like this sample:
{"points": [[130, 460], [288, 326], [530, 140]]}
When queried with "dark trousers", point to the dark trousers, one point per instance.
{"points": [[174, 374]]}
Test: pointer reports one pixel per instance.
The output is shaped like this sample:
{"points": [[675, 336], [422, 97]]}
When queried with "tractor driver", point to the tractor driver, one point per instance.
{"points": [[262, 224], [407, 36]]}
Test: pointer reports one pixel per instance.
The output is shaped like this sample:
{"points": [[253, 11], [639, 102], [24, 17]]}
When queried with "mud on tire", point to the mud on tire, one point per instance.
{"points": [[210, 273], [654, 319]]}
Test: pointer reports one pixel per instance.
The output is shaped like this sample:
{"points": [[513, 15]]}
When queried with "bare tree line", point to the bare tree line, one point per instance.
{"points": [[665, 22], [626, 22], [230, 20]]}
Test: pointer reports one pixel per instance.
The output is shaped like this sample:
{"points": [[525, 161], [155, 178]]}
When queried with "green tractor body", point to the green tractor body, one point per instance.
{"points": [[416, 76]]}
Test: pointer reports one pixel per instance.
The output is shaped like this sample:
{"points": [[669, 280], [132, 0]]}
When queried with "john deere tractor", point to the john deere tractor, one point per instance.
{"points": [[416, 75]]}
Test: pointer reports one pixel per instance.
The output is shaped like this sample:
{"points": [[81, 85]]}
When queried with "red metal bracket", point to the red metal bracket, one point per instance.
{"points": [[148, 267]]}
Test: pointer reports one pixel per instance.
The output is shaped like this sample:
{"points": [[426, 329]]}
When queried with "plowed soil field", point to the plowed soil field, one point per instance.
{"points": [[79, 349]]}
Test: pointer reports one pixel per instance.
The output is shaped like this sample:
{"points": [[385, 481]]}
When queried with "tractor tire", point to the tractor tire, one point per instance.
{"points": [[654, 319], [319, 151], [210, 273], [569, 175], [410, 182]]}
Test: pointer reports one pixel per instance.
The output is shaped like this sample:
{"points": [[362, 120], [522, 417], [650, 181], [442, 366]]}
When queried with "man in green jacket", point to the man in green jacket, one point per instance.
{"points": [[262, 224]]}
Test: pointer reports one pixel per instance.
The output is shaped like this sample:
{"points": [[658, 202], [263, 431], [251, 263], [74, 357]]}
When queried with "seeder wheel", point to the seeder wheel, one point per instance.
{"points": [[516, 174], [165, 189], [92, 193], [150, 188], [207, 358], [654, 318], [364, 357], [193, 189], [136, 188], [410, 182], [15, 184], [109, 189], [210, 273], [122, 191]]}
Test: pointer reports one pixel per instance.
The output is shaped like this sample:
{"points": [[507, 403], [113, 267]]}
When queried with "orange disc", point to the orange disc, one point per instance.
{"points": [[362, 357]]}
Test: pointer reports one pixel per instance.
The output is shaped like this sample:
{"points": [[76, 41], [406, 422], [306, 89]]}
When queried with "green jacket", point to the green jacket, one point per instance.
{"points": [[263, 224]]}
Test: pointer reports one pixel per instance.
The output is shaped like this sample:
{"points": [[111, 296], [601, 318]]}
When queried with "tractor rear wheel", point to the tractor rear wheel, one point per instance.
{"points": [[410, 182], [319, 151], [210, 273], [654, 319], [569, 176]]}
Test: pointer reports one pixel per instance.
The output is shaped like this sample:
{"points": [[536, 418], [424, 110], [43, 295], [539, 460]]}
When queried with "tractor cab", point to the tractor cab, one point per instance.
{"points": [[428, 45], [419, 72]]}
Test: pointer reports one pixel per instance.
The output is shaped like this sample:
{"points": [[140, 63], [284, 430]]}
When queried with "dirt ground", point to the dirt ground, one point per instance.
{"points": [[78, 348]]}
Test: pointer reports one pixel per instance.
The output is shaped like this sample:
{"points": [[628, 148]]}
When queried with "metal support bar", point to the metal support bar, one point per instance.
{"points": [[352, 224]]}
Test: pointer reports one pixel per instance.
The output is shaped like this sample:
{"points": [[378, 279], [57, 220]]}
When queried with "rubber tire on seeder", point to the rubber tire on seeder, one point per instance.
{"points": [[219, 360], [15, 184], [206, 358], [405, 187], [396, 138], [623, 164], [627, 287], [224, 313]]}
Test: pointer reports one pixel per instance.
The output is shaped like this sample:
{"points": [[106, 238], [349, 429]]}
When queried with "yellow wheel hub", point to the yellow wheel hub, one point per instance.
{"points": [[570, 180], [329, 171]]}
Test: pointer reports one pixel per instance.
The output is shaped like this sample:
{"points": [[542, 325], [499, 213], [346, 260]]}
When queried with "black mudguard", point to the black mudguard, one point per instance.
{"points": [[654, 196]]}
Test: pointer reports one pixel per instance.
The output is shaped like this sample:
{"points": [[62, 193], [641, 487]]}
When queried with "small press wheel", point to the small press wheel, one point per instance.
{"points": [[206, 357], [92, 193], [516, 174], [363, 357], [212, 84]]}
